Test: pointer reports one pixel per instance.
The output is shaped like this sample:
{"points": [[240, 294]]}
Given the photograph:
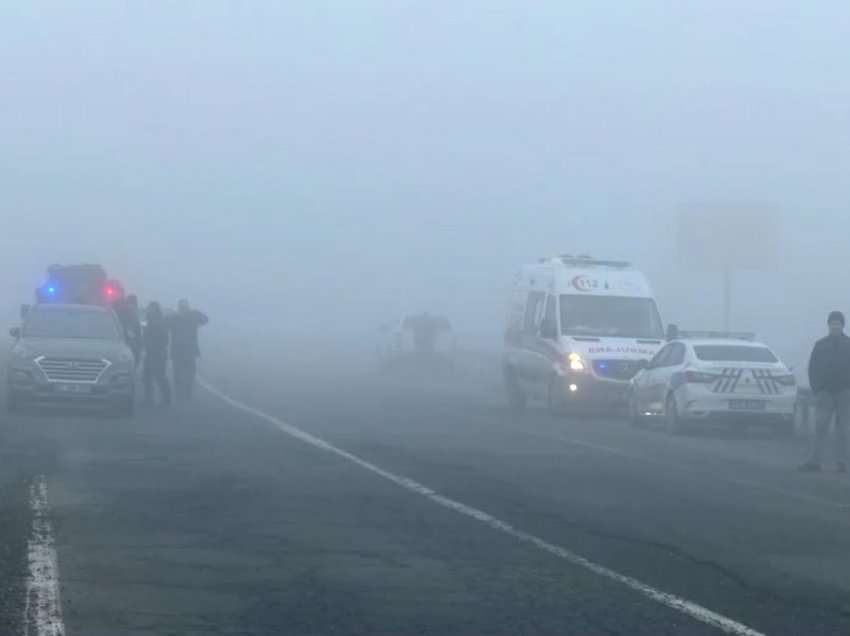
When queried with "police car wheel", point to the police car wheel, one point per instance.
{"points": [[672, 421], [635, 417]]}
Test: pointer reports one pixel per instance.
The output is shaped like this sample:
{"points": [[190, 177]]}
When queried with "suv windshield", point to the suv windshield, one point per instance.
{"points": [[71, 323], [614, 316], [734, 353]]}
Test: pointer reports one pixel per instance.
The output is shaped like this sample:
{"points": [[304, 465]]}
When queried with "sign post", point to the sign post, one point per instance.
{"points": [[728, 238]]}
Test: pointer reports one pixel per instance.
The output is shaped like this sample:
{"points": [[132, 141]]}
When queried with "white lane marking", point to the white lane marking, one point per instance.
{"points": [[730, 480], [677, 603], [43, 609]]}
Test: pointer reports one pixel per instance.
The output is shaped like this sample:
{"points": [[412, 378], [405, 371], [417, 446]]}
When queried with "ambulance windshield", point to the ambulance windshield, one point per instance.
{"points": [[610, 316]]}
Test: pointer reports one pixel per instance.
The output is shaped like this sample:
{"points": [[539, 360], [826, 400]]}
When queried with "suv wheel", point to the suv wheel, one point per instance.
{"points": [[126, 407], [12, 403]]}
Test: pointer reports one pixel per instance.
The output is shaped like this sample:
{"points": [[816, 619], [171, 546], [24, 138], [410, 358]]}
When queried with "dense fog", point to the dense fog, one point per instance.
{"points": [[311, 169]]}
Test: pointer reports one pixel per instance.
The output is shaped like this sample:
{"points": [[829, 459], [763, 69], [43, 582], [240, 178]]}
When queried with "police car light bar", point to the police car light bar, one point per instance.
{"points": [[715, 335]]}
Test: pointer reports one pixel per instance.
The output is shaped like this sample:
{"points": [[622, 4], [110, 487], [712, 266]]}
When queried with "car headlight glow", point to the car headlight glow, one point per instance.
{"points": [[576, 362]]}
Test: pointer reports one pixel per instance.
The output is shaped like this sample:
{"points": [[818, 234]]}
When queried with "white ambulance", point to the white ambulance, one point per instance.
{"points": [[578, 330]]}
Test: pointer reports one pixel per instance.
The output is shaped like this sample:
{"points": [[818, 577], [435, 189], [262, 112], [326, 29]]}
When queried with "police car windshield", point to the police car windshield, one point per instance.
{"points": [[733, 353], [69, 322], [611, 316]]}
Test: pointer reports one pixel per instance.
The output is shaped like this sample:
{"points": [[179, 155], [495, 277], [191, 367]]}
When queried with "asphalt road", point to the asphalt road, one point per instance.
{"points": [[209, 519]]}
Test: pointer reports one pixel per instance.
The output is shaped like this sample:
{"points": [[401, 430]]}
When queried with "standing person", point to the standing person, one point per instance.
{"points": [[829, 379], [185, 350], [155, 338]]}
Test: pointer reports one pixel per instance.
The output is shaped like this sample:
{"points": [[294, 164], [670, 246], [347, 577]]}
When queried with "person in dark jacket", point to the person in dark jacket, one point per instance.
{"points": [[155, 337], [829, 379], [185, 349]]}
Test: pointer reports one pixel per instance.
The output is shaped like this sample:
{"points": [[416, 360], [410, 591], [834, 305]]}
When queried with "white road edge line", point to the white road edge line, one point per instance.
{"points": [[672, 601], [43, 608]]}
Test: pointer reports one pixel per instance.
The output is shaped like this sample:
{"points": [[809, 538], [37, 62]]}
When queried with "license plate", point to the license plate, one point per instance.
{"points": [[76, 389], [747, 405]]}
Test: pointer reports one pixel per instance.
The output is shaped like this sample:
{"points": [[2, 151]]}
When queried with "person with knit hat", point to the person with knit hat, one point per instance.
{"points": [[829, 379]]}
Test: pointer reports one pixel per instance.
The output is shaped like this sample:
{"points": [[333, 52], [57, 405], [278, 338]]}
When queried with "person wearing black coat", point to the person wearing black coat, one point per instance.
{"points": [[185, 349], [829, 379], [155, 338]]}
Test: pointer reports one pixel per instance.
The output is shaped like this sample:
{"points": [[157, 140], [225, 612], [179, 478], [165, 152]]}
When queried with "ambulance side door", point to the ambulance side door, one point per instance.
{"points": [[528, 359], [546, 348]]}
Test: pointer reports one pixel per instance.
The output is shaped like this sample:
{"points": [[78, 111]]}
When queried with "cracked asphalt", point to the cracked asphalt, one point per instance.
{"points": [[207, 520]]}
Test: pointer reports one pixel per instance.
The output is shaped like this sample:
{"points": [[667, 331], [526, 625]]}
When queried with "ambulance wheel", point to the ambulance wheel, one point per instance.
{"points": [[554, 399], [672, 422], [517, 400], [637, 420]]}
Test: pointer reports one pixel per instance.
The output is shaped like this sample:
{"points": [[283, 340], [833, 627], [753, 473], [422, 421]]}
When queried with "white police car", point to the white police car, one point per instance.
{"points": [[713, 376]]}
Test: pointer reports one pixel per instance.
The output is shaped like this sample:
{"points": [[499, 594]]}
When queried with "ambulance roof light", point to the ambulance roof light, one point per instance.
{"points": [[586, 260]]}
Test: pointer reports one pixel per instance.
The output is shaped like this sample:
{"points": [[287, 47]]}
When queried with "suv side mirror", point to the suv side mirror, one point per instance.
{"points": [[25, 309], [672, 332], [642, 364], [15, 332], [549, 330]]}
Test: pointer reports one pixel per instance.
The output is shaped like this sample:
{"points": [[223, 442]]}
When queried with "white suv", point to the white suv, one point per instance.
{"points": [[71, 355], [707, 376]]}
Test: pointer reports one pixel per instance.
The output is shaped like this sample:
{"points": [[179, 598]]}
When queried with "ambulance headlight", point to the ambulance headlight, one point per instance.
{"points": [[576, 362]]}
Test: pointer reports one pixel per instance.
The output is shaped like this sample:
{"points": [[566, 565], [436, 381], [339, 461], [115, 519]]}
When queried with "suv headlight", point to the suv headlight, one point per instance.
{"points": [[21, 352]]}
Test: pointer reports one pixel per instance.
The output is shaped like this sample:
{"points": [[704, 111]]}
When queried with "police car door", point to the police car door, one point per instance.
{"points": [[647, 381], [661, 376]]}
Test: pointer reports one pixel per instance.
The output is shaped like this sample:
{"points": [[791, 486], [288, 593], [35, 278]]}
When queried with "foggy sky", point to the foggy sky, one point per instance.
{"points": [[323, 166]]}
